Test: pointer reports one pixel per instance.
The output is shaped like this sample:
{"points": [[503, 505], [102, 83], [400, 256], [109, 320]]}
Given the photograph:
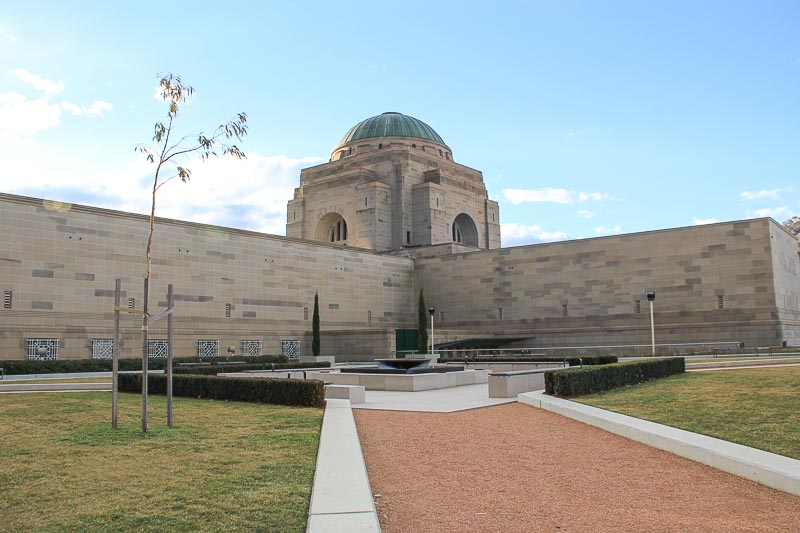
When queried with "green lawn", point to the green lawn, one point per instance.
{"points": [[754, 407], [225, 466]]}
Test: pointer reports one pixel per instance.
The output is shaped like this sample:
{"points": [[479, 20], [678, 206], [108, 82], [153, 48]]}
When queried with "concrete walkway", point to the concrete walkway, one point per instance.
{"points": [[448, 400]]}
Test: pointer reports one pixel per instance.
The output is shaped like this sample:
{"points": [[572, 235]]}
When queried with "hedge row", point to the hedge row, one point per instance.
{"points": [[217, 369], [297, 392], [588, 380], [588, 360], [65, 366]]}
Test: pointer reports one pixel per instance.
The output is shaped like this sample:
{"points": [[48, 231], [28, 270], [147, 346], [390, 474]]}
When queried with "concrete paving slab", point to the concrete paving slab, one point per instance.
{"points": [[341, 499], [447, 400], [772, 470]]}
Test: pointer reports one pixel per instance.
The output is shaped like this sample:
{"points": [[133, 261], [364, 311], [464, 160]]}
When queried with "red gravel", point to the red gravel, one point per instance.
{"points": [[516, 468]]}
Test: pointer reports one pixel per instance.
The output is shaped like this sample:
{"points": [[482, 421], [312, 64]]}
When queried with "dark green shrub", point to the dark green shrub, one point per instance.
{"points": [[297, 392], [571, 361], [218, 369], [65, 366], [588, 380]]}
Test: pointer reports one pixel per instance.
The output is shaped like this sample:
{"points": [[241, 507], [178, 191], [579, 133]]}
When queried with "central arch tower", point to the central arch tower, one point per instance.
{"points": [[392, 185]]}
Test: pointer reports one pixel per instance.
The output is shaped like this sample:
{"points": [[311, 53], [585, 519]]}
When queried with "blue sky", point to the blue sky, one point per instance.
{"points": [[586, 118]]}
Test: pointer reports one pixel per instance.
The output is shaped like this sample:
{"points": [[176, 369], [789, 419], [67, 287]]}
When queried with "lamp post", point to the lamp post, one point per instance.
{"points": [[431, 311], [651, 297]]}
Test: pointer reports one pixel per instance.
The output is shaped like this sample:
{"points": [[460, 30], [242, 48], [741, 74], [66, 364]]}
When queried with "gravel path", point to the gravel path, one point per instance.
{"points": [[514, 468]]}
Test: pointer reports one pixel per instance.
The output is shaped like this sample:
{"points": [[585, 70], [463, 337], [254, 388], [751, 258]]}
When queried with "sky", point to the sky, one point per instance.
{"points": [[587, 118]]}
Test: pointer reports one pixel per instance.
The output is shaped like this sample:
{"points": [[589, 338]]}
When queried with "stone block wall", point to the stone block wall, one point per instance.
{"points": [[712, 283], [60, 262]]}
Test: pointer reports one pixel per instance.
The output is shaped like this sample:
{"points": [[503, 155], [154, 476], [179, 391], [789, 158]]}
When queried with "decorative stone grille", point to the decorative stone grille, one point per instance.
{"points": [[42, 349], [102, 348], [157, 348], [289, 349], [251, 348], [207, 348]]}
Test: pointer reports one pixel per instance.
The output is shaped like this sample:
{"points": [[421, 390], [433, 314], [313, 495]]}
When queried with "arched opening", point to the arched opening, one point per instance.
{"points": [[332, 228], [464, 230]]}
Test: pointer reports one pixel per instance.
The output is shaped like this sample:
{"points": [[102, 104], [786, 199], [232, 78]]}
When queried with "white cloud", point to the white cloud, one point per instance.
{"points": [[549, 194], [700, 221], [773, 212], [512, 234], [248, 194], [602, 230], [585, 213], [9, 37], [772, 194], [40, 84], [21, 119], [95, 109], [573, 133]]}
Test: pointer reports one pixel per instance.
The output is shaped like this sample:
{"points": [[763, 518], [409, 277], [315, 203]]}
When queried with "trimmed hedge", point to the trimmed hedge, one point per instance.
{"points": [[217, 369], [588, 360], [588, 380], [65, 366], [296, 392]]}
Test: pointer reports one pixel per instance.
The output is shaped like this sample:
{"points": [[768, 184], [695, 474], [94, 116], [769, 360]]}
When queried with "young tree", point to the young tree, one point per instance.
{"points": [[315, 327], [169, 152], [422, 320]]}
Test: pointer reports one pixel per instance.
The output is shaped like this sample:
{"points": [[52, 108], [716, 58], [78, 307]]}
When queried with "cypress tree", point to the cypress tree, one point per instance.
{"points": [[422, 319], [315, 327]]}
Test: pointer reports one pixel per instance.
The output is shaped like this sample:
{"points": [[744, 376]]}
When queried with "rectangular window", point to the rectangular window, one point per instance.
{"points": [[42, 349], [251, 348], [6, 299], [499, 313], [102, 348], [637, 307], [207, 348], [131, 303], [369, 317], [305, 313], [289, 349], [441, 316], [157, 348], [408, 237], [720, 301], [564, 310], [227, 310]]}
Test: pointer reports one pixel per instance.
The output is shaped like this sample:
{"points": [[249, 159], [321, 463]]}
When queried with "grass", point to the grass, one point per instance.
{"points": [[754, 407], [225, 466]]}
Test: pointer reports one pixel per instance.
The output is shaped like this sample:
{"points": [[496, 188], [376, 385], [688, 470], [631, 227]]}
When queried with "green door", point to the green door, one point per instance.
{"points": [[406, 341]]}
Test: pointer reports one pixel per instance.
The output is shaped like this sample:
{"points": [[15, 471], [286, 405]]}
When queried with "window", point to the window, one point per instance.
{"points": [[440, 152], [227, 310], [131, 303], [720, 301], [102, 348], [289, 349], [408, 237], [207, 348], [157, 348], [499, 313], [6, 299], [251, 348], [637, 307], [369, 317], [380, 146], [339, 231], [42, 349], [564, 310], [305, 313], [441, 316]]}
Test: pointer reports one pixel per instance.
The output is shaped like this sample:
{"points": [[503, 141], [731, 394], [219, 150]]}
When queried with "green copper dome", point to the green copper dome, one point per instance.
{"points": [[391, 125]]}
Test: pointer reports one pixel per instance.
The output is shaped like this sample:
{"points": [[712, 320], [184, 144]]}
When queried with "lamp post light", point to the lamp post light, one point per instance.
{"points": [[651, 297], [431, 311]]}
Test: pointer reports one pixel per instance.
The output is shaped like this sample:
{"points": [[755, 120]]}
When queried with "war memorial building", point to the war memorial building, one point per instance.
{"points": [[390, 214]]}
